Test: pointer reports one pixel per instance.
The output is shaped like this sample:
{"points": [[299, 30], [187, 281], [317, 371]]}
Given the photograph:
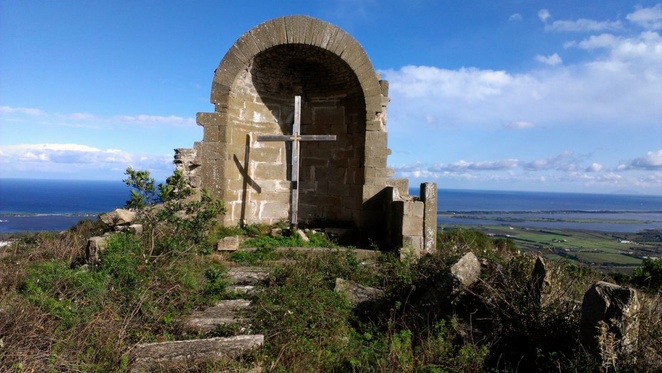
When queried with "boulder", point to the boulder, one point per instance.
{"points": [[118, 217], [609, 324], [95, 245], [230, 243], [464, 273], [537, 282], [357, 293]]}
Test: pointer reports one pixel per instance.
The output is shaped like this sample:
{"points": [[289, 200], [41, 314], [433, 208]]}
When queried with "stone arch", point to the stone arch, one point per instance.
{"points": [[298, 30], [253, 90]]}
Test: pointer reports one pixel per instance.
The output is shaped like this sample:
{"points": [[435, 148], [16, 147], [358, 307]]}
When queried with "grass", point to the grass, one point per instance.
{"points": [[56, 315]]}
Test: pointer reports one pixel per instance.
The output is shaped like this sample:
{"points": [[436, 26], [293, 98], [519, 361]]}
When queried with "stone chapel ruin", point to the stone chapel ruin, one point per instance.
{"points": [[344, 182]]}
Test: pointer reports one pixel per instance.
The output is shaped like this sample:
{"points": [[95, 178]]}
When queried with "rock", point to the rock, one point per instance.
{"points": [[118, 217], [357, 293], [228, 244], [136, 228], [462, 275], [538, 280], [609, 324], [302, 235], [95, 245], [163, 356], [465, 272]]}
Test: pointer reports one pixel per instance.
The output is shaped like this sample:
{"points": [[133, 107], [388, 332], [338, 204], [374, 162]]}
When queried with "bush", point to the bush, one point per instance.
{"points": [[173, 219], [67, 294], [649, 276]]}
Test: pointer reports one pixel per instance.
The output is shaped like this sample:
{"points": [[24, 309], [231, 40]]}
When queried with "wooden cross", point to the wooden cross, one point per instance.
{"points": [[295, 138]]}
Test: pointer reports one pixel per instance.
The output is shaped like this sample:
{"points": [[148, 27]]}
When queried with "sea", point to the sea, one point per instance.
{"points": [[55, 205]]}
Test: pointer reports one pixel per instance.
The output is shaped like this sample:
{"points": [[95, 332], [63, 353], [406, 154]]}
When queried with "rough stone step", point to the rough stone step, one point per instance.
{"points": [[223, 313], [242, 289], [166, 355], [360, 253], [248, 275]]}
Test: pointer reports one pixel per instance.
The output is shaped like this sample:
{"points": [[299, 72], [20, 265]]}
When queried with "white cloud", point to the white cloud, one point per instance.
{"points": [[462, 165], [551, 60], [20, 110], [65, 159], [579, 25], [515, 17], [648, 18], [57, 118], [594, 167], [651, 161], [520, 125], [544, 15], [155, 119], [581, 94], [583, 25]]}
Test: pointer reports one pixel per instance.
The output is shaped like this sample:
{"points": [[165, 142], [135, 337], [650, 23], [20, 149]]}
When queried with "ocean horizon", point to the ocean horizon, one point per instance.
{"points": [[55, 205]]}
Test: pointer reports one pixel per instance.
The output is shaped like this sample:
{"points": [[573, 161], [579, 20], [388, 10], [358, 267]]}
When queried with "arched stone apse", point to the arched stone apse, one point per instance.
{"points": [[253, 92]]}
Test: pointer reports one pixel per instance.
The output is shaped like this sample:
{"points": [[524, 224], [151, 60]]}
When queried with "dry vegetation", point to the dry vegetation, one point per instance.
{"points": [[56, 315]]}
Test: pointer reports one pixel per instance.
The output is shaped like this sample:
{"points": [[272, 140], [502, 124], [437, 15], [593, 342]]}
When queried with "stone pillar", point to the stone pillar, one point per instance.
{"points": [[429, 197]]}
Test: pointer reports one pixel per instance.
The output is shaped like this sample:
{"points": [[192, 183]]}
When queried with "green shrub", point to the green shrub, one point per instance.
{"points": [[649, 276], [67, 294]]}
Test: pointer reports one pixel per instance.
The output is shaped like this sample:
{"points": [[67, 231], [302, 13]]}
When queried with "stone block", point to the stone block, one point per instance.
{"points": [[230, 243], [274, 154], [375, 125], [413, 243], [274, 210], [374, 161], [383, 84], [412, 226], [269, 171]]}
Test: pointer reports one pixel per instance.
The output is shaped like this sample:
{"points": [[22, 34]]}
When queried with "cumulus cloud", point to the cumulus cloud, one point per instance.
{"points": [[648, 18], [651, 161], [20, 110], [567, 94], [66, 158], [544, 15], [520, 124], [551, 60], [583, 25], [58, 118], [462, 165], [155, 119], [515, 17], [594, 167], [578, 25]]}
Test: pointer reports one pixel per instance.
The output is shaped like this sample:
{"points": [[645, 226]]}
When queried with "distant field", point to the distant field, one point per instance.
{"points": [[597, 249]]}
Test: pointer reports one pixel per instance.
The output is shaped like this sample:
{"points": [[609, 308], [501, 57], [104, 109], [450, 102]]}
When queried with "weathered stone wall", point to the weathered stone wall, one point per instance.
{"points": [[253, 91]]}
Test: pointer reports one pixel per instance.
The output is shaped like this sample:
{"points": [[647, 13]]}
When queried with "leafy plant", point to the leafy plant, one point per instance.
{"points": [[172, 218], [649, 275]]}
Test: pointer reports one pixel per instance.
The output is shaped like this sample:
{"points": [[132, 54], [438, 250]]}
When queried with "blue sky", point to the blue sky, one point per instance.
{"points": [[503, 95]]}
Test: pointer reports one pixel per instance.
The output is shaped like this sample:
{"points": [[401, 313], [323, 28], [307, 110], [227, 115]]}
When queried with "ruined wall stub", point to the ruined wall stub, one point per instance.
{"points": [[253, 89]]}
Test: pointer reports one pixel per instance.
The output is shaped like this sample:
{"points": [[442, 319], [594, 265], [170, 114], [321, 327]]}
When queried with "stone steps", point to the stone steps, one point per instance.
{"points": [[224, 312], [160, 356], [164, 355], [243, 279]]}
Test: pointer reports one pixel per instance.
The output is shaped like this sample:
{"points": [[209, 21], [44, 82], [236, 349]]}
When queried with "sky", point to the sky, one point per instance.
{"points": [[560, 96]]}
